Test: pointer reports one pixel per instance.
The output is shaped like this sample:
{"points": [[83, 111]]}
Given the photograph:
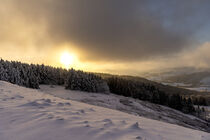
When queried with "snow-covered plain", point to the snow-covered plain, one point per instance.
{"points": [[27, 114], [200, 89]]}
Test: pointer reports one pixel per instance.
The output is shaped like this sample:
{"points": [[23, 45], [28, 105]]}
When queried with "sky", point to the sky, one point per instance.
{"points": [[114, 36]]}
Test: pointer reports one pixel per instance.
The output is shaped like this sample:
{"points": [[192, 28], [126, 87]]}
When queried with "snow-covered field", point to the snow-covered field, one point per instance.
{"points": [[176, 84], [27, 114], [200, 89], [129, 105]]}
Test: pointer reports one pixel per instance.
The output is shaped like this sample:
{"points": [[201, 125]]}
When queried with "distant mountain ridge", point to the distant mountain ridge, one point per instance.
{"points": [[195, 79]]}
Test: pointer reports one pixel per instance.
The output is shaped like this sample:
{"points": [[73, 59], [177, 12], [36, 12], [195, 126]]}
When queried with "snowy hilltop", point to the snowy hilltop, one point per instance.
{"points": [[30, 114]]}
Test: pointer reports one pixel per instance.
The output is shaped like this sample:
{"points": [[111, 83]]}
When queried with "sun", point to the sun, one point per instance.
{"points": [[67, 59]]}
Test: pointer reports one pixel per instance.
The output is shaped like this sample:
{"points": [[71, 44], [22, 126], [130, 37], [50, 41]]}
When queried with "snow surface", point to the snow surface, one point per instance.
{"points": [[129, 105], [200, 89], [27, 114], [175, 84]]}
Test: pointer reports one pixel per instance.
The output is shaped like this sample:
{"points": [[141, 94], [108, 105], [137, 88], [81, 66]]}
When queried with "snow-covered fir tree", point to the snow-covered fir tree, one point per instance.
{"points": [[32, 75]]}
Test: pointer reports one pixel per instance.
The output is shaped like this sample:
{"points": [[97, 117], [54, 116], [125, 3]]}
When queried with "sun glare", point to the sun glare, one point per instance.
{"points": [[67, 59]]}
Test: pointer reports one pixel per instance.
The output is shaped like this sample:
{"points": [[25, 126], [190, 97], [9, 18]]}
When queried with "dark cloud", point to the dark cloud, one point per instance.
{"points": [[119, 29]]}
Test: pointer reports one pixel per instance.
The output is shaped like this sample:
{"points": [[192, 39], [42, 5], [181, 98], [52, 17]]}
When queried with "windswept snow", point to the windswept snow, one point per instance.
{"points": [[27, 114], [129, 105]]}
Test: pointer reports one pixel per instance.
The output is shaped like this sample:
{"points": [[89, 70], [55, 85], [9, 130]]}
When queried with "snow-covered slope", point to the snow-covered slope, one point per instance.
{"points": [[27, 114], [131, 106]]}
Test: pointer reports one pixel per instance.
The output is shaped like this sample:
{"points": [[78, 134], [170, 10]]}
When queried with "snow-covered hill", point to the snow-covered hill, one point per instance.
{"points": [[130, 105], [27, 114]]}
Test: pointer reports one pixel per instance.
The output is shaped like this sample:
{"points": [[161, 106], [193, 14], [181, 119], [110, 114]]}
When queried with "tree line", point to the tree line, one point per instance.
{"points": [[31, 76], [148, 92]]}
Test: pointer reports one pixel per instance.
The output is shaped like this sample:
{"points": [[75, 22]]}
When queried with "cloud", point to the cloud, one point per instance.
{"points": [[124, 34], [194, 57], [118, 30], [198, 57]]}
